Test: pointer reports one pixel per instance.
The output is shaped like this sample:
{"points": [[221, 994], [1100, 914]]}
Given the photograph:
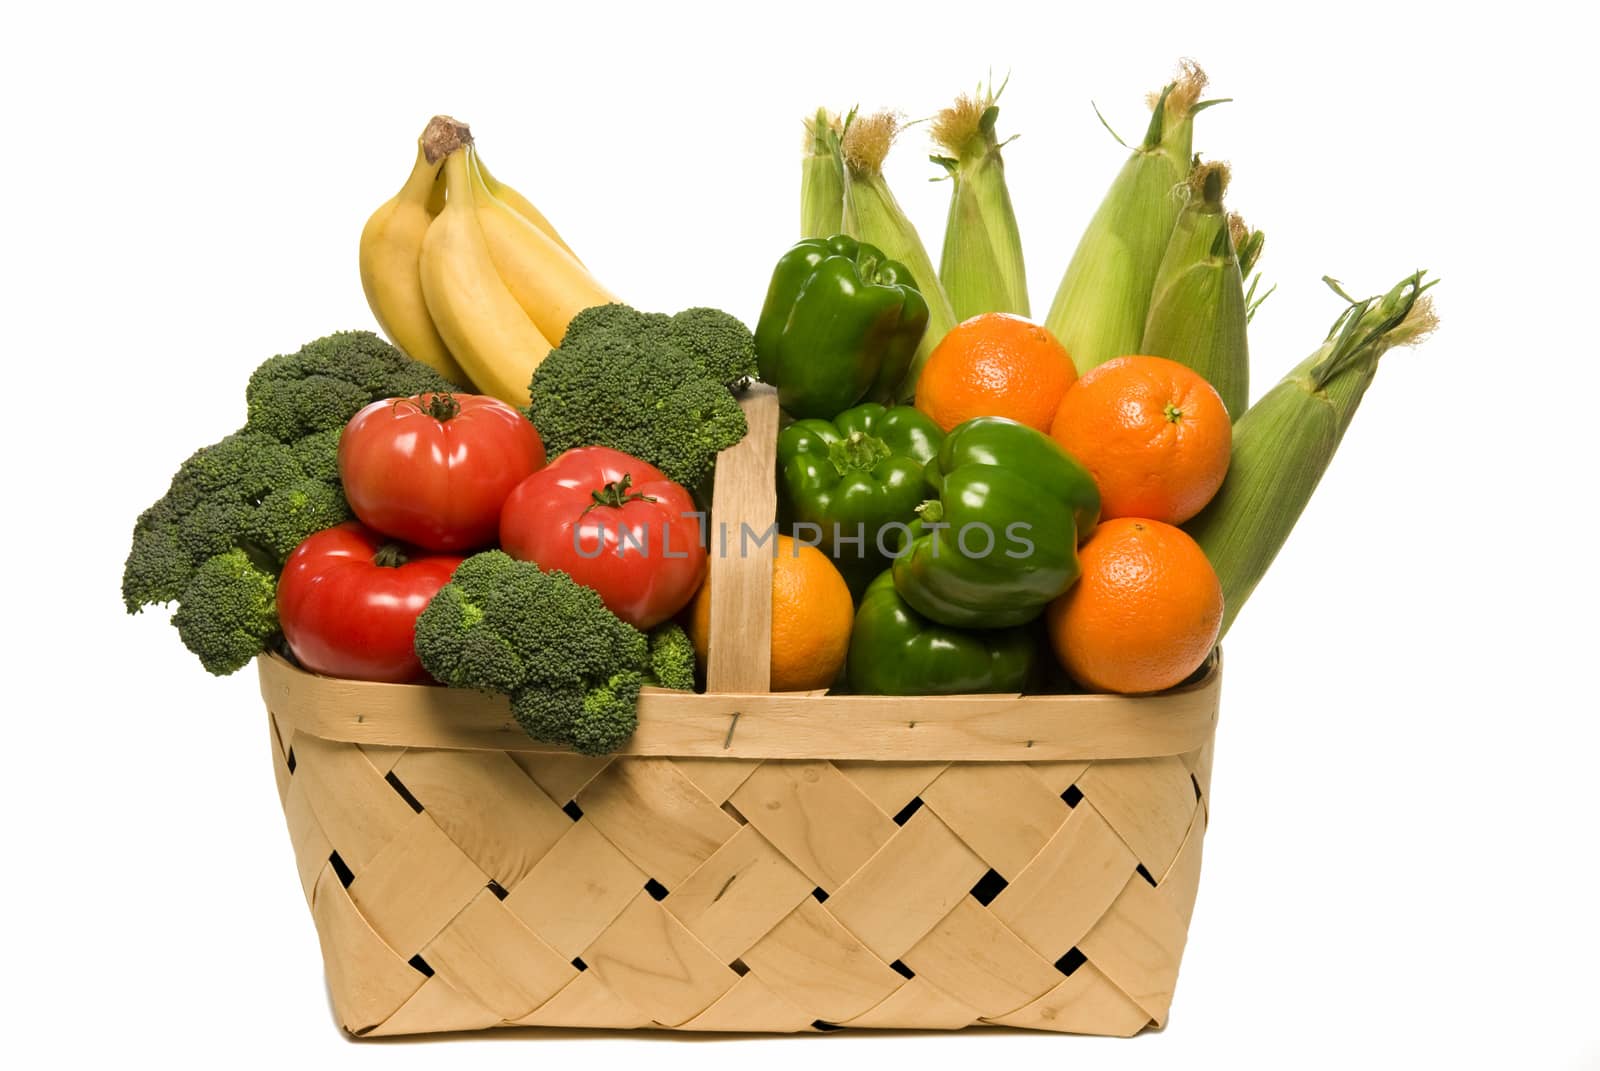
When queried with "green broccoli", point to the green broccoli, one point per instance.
{"points": [[671, 658], [215, 542], [572, 668], [655, 386]]}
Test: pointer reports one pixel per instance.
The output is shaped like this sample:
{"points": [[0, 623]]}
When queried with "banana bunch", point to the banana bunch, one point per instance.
{"points": [[463, 273]]}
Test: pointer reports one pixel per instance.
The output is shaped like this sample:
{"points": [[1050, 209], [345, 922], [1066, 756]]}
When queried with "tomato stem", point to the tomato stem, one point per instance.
{"points": [[390, 556], [442, 406], [617, 493]]}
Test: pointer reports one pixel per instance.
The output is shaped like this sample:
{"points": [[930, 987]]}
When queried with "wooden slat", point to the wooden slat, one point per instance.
{"points": [[648, 959], [367, 979], [717, 778], [739, 646], [1003, 811], [588, 1002], [751, 1005], [1182, 880], [779, 726], [560, 774], [575, 891], [1149, 803], [415, 886], [311, 845], [817, 818], [437, 1006], [1086, 1003], [357, 810], [1067, 888], [979, 962], [913, 882], [488, 954], [1138, 944], [656, 817], [814, 963], [738, 894], [917, 1005], [891, 785]]}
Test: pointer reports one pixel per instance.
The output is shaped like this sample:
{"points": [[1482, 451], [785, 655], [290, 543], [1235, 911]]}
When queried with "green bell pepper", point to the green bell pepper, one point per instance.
{"points": [[896, 651], [1001, 539], [840, 324], [852, 478]]}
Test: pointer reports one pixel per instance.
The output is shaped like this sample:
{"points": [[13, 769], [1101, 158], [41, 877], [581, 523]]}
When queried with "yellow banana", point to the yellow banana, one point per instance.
{"points": [[523, 207], [547, 281], [482, 324], [391, 249]]}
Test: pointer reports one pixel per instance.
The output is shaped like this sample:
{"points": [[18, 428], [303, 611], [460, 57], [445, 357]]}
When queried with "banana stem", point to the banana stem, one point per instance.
{"points": [[443, 136]]}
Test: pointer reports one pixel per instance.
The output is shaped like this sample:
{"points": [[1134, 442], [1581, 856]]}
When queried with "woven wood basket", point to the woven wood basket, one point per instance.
{"points": [[752, 861]]}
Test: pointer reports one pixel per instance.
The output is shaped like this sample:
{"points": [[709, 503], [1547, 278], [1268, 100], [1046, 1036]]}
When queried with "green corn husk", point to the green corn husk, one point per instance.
{"points": [[1283, 443], [1198, 311], [872, 215], [981, 266], [1100, 308], [822, 176], [1248, 243]]}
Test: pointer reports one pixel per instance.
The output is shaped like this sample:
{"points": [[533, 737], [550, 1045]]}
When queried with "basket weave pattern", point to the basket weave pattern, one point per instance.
{"points": [[461, 889]]}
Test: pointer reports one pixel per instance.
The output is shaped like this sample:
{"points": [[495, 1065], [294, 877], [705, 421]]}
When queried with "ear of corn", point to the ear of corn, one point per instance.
{"points": [[822, 177], [1247, 244], [981, 266], [1197, 308], [872, 215], [1282, 445], [1100, 308]]}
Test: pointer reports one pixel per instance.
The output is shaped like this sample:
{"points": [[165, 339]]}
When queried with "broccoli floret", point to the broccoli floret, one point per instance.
{"points": [[572, 668], [236, 508], [321, 386], [650, 385], [671, 658], [228, 612]]}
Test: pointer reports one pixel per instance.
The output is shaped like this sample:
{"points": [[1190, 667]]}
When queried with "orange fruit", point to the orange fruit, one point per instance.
{"points": [[1153, 433], [811, 618], [1145, 612], [995, 364]]}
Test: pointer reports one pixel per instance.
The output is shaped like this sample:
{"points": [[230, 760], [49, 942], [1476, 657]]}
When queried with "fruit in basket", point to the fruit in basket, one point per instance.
{"points": [[571, 668], [391, 251], [811, 618], [896, 651], [434, 469], [1198, 308], [1145, 613], [656, 387], [999, 541], [995, 364], [612, 523], [853, 479], [214, 543], [1101, 306], [1284, 443], [1154, 434], [839, 325], [348, 602], [822, 176]]}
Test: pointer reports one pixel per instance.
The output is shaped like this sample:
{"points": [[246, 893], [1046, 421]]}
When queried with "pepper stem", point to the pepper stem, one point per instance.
{"points": [[857, 452], [616, 494], [931, 512], [390, 556]]}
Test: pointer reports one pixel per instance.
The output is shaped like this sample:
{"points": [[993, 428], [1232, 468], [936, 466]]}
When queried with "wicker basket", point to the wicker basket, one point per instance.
{"points": [[752, 862]]}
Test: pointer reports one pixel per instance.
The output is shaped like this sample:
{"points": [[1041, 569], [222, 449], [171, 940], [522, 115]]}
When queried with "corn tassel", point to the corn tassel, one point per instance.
{"points": [[981, 265], [1198, 311], [1100, 308], [1283, 443], [822, 176], [872, 215]]}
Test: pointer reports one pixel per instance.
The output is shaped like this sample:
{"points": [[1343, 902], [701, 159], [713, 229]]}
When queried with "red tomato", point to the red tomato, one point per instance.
{"points": [[433, 470], [348, 602], [614, 523]]}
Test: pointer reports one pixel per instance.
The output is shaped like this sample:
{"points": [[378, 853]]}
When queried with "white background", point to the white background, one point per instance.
{"points": [[1401, 863]]}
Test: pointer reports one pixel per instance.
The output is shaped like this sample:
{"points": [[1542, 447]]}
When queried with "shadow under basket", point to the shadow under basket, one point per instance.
{"points": [[751, 862]]}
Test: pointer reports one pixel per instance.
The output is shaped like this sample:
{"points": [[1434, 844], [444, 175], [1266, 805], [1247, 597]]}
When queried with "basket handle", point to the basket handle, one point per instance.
{"points": [[744, 503]]}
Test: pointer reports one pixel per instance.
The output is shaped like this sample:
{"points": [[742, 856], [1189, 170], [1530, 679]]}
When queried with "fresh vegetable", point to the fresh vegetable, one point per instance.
{"points": [[572, 668], [853, 479], [433, 470], [391, 250], [1100, 309], [1198, 311], [1249, 242], [214, 543], [839, 325], [654, 386], [612, 523], [995, 364], [348, 602], [981, 266], [872, 215], [896, 651], [1283, 443], [1154, 435], [822, 176], [1145, 613], [1000, 540]]}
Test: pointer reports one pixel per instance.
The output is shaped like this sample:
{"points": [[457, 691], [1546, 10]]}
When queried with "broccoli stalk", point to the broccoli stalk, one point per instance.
{"points": [[571, 667], [655, 386], [216, 541]]}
